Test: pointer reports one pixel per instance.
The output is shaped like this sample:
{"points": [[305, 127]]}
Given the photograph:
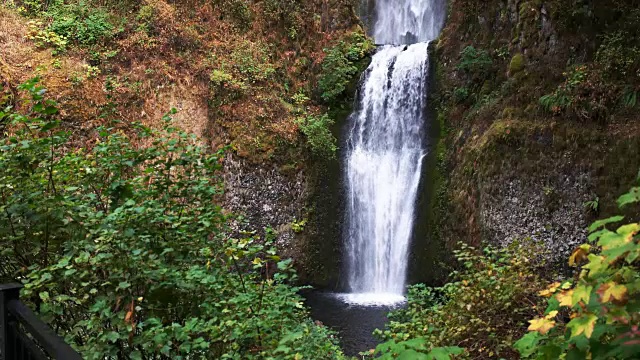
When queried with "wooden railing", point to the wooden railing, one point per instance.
{"points": [[23, 336]]}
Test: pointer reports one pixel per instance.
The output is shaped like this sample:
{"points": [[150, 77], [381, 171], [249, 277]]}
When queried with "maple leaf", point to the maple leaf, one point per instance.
{"points": [[579, 255], [565, 298], [581, 293], [610, 240], [612, 291], [582, 325], [597, 265], [549, 290], [600, 223], [628, 231], [551, 314], [541, 325]]}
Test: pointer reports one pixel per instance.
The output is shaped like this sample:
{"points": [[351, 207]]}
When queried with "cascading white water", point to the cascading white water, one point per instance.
{"points": [[385, 149], [407, 21]]}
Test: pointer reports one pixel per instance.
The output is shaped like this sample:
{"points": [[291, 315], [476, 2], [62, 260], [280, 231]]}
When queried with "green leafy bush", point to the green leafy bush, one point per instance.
{"points": [[619, 55], [286, 13], [318, 133], [341, 65], [484, 311], [415, 349], [45, 37], [476, 62], [80, 22], [237, 11], [595, 315], [125, 252], [252, 62], [460, 94]]}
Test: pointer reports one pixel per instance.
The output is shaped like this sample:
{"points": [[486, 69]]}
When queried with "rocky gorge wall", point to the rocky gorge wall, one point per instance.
{"points": [[516, 166]]}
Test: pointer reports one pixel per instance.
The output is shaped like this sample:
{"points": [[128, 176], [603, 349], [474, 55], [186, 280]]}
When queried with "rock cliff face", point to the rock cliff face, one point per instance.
{"points": [[537, 140], [303, 207], [265, 198]]}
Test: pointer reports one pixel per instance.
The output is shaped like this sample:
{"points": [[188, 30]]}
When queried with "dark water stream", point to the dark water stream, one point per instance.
{"points": [[354, 323]]}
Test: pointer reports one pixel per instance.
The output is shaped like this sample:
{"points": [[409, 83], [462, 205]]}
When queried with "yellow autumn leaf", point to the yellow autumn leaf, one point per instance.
{"points": [[541, 325], [566, 285], [612, 291], [565, 298], [582, 324], [579, 255], [549, 290], [551, 314]]}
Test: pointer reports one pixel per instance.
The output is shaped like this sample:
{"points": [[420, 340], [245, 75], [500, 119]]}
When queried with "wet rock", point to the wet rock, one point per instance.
{"points": [[264, 198], [547, 210]]}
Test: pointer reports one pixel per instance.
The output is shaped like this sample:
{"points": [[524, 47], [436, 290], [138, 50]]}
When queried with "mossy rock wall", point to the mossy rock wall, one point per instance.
{"points": [[515, 169]]}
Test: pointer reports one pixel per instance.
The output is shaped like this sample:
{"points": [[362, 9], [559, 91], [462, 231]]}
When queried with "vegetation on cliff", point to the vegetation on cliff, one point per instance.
{"points": [[537, 102], [123, 249]]}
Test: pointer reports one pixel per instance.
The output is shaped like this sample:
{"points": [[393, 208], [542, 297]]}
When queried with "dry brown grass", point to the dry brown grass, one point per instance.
{"points": [[169, 66]]}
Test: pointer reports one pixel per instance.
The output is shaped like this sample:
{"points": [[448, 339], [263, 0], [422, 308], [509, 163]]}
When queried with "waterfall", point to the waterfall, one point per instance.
{"points": [[385, 149]]}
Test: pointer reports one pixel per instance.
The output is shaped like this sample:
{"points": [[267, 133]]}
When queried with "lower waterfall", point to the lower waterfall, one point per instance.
{"points": [[385, 149]]}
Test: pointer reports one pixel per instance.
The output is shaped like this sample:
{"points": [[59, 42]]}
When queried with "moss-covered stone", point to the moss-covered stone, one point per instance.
{"points": [[517, 64]]}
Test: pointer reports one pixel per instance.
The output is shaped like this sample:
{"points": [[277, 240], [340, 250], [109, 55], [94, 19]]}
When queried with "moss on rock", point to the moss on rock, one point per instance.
{"points": [[517, 64]]}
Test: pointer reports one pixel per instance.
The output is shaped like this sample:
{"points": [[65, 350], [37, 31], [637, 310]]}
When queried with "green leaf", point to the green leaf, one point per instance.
{"points": [[70, 272], [631, 197], [417, 344], [444, 353], [123, 285], [112, 336], [581, 293], [411, 354], [527, 344], [600, 223]]}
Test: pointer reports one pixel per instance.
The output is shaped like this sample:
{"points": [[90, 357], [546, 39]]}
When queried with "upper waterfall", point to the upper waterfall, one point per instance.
{"points": [[407, 21]]}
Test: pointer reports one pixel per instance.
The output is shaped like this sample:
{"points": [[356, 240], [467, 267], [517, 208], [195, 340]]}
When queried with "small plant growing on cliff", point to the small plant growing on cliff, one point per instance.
{"points": [[592, 205], [595, 315], [342, 64], [80, 22], [298, 226], [475, 61], [317, 130]]}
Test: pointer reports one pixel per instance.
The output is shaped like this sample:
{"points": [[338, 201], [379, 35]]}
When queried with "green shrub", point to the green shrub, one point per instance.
{"points": [[595, 315], [414, 349], [240, 13], [285, 13], [483, 311], [252, 62], [318, 133], [80, 22], [619, 55], [460, 94], [476, 62], [341, 65], [124, 251], [46, 38]]}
